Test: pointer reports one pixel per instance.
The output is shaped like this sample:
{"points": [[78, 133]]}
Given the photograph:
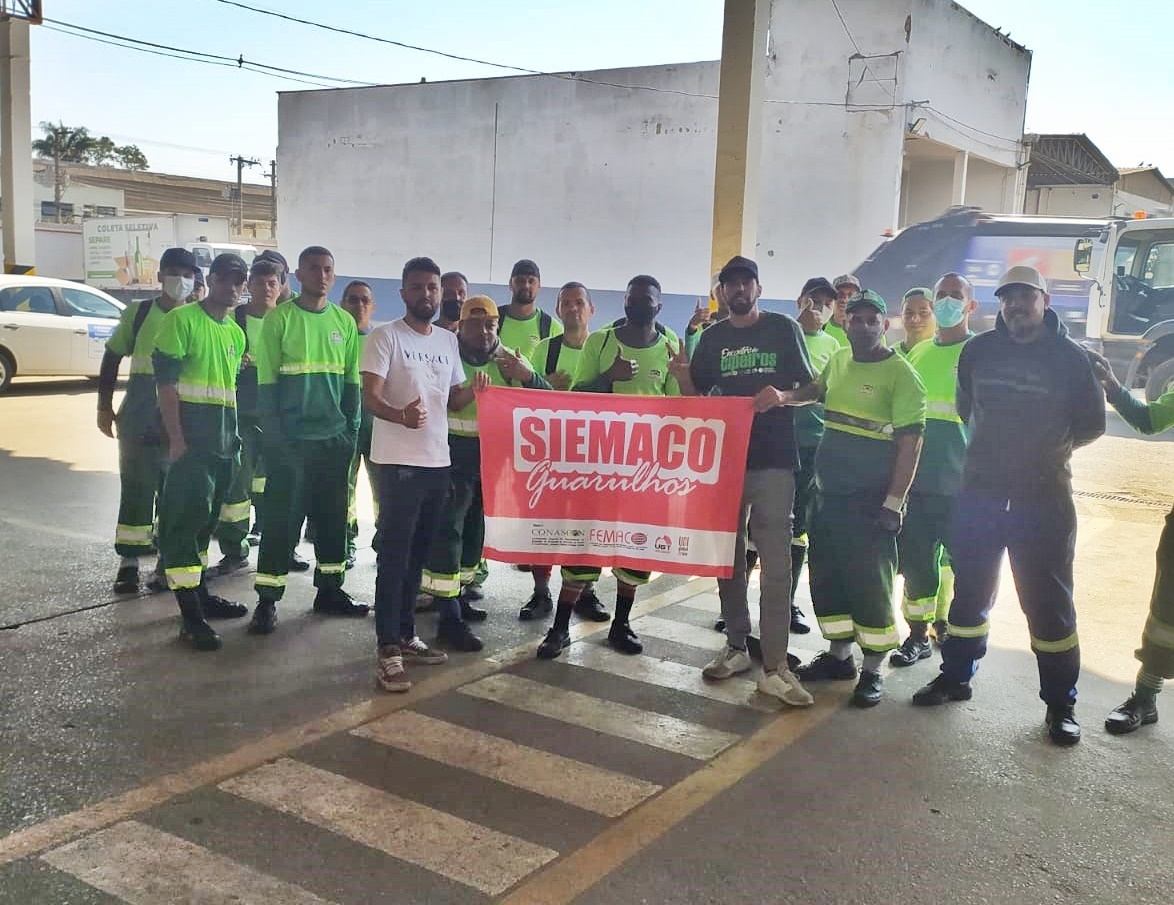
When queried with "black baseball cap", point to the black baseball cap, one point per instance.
{"points": [[178, 257], [276, 257], [738, 264], [525, 268], [228, 263], [817, 284]]}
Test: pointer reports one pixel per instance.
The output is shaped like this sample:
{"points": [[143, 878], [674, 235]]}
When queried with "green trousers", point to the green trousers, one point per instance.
{"points": [[244, 493], [1157, 640], [142, 465], [921, 553], [188, 507], [455, 554], [853, 563], [304, 478]]}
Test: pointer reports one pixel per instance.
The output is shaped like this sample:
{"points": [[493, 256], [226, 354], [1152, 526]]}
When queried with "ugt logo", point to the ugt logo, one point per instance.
{"points": [[663, 544]]}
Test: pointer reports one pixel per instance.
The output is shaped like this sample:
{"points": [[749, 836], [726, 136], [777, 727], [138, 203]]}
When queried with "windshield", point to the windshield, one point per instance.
{"points": [[247, 253], [1143, 281]]}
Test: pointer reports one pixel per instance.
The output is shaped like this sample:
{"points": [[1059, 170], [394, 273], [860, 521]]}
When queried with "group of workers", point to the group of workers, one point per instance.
{"points": [[927, 459]]}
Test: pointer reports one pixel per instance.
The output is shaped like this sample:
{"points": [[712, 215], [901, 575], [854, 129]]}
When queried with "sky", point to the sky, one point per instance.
{"points": [[1095, 69]]}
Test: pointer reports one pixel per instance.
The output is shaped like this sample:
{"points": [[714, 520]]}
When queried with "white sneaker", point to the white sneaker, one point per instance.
{"points": [[729, 662], [416, 651], [784, 686], [391, 675]]}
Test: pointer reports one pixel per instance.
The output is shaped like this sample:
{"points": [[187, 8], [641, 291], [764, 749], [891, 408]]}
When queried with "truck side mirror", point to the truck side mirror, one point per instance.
{"points": [[1082, 256]]}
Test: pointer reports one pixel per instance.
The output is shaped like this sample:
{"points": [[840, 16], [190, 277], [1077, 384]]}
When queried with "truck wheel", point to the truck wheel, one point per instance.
{"points": [[1161, 380], [7, 369]]}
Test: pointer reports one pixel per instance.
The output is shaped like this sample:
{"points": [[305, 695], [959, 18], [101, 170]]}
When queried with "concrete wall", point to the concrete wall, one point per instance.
{"points": [[598, 182], [1070, 200]]}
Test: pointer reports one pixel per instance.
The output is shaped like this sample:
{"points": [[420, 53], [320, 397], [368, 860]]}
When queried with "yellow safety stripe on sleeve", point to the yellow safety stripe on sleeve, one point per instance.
{"points": [[258, 485], [1159, 633], [184, 577], [311, 367], [263, 580], [631, 578], [201, 394], [235, 512], [861, 427], [970, 631], [837, 628], [942, 411], [464, 426], [1055, 647], [877, 638], [133, 534], [799, 540], [921, 610], [331, 568], [440, 585]]}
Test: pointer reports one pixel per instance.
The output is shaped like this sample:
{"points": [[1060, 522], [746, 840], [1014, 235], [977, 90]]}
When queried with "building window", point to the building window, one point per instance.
{"points": [[49, 211]]}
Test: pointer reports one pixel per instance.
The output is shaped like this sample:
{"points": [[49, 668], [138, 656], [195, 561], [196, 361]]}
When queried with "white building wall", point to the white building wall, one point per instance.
{"points": [[598, 183], [1070, 200]]}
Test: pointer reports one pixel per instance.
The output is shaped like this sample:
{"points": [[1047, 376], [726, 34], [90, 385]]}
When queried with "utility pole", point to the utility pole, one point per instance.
{"points": [[272, 177], [241, 163], [16, 153]]}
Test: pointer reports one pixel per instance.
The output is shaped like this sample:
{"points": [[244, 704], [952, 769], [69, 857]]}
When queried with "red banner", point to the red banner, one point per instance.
{"points": [[646, 482]]}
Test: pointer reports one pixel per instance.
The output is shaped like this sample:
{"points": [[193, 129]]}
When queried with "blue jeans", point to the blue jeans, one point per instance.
{"points": [[410, 501], [1039, 535]]}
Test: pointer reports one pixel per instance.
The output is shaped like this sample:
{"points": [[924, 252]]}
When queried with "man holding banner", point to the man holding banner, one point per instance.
{"points": [[629, 359], [758, 354]]}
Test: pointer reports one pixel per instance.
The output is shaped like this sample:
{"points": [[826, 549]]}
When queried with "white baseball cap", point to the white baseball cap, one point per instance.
{"points": [[1021, 275]]}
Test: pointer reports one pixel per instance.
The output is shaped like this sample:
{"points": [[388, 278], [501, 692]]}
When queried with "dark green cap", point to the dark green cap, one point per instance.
{"points": [[867, 297], [923, 291]]}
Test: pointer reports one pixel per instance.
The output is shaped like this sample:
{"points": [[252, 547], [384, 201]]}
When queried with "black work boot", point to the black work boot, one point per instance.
{"points": [[470, 613], [264, 620], [127, 580], [1062, 726], [195, 629], [1132, 715], [219, 607]]}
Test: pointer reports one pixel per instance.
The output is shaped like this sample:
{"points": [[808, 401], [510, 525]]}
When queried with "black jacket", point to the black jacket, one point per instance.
{"points": [[1028, 406]]}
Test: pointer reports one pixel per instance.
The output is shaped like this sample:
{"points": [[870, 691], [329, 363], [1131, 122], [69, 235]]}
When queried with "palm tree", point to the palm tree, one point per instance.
{"points": [[63, 144]]}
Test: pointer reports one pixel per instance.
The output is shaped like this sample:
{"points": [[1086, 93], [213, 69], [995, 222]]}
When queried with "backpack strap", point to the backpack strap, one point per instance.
{"points": [[544, 323], [552, 353], [242, 320], [140, 318]]}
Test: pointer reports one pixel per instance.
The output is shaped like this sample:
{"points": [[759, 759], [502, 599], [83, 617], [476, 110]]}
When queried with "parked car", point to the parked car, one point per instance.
{"points": [[51, 327]]}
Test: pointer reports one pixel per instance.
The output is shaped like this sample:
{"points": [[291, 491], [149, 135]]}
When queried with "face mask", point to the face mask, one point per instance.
{"points": [[451, 309], [179, 288], [949, 311]]}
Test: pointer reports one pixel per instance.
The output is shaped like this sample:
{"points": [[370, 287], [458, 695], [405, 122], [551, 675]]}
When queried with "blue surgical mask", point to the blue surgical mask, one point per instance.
{"points": [[179, 288], [949, 311]]}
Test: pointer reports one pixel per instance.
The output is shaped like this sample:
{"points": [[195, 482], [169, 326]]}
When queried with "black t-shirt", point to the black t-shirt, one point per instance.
{"points": [[740, 361]]}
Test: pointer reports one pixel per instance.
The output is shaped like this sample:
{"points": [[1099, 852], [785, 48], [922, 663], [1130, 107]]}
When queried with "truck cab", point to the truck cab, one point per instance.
{"points": [[1129, 265], [206, 252]]}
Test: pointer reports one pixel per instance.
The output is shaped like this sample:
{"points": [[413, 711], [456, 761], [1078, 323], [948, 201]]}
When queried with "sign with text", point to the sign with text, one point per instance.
{"points": [[645, 482]]}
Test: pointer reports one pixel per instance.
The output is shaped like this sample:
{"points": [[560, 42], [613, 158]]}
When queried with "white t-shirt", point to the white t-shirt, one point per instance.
{"points": [[413, 365]]}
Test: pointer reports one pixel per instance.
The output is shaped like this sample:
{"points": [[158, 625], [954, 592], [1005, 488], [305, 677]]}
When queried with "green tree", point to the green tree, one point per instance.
{"points": [[103, 152], [130, 157], [63, 144]]}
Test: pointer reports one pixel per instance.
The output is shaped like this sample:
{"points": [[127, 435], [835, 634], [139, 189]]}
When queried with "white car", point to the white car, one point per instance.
{"points": [[52, 327]]}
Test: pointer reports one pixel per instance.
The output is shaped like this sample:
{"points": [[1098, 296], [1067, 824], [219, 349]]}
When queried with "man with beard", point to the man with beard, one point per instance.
{"points": [[460, 536], [412, 374], [308, 405], [922, 547], [454, 289], [759, 354], [630, 359], [558, 358], [524, 325], [874, 414], [846, 286], [1029, 397]]}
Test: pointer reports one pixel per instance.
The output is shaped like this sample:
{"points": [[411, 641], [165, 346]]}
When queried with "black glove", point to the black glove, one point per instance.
{"points": [[889, 520]]}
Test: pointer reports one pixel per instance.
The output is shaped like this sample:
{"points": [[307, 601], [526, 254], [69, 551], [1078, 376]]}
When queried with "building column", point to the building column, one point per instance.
{"points": [[16, 153], [961, 166], [739, 130]]}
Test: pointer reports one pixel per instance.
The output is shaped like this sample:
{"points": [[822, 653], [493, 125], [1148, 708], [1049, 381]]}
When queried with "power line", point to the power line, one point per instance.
{"points": [[238, 62]]}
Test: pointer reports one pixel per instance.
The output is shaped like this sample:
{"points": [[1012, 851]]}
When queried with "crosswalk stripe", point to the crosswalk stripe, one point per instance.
{"points": [[679, 632], [658, 730], [475, 855], [145, 866], [665, 673], [561, 778]]}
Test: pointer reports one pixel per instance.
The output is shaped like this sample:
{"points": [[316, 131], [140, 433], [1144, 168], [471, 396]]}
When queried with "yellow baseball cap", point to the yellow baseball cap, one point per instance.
{"points": [[478, 304]]}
